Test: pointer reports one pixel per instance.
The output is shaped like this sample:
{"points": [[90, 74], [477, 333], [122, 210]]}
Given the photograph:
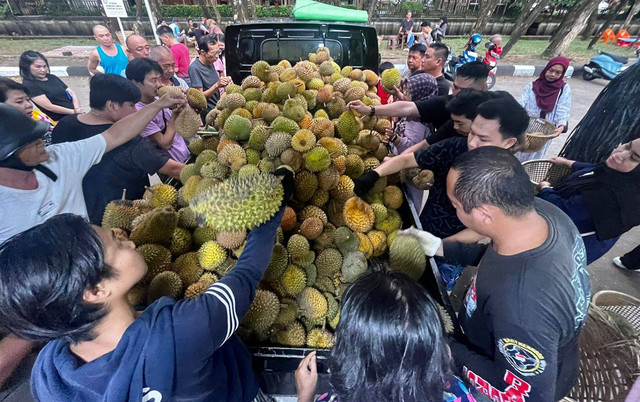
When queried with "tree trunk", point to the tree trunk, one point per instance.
{"points": [[138, 27], [612, 16], [372, 5], [572, 24], [524, 21], [635, 8], [487, 7], [203, 7], [241, 10], [591, 24], [214, 4]]}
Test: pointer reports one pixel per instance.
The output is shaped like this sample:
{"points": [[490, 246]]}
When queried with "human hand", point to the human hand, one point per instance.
{"points": [[397, 94], [364, 183], [558, 131], [429, 243], [543, 184], [172, 99], [224, 81], [307, 378], [286, 176], [359, 107], [558, 160], [388, 133]]}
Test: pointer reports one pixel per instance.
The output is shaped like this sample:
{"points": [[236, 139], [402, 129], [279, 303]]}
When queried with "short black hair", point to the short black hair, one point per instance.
{"points": [[418, 47], [466, 102], [512, 117], [389, 342], [441, 51], [476, 71], [7, 84], [27, 59], [137, 69], [385, 66], [111, 87], [492, 175], [444, 19], [164, 30], [220, 37], [67, 252], [425, 24], [205, 41]]}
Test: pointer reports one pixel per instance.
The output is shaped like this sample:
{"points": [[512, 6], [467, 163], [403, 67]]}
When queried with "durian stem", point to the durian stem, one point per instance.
{"points": [[124, 193]]}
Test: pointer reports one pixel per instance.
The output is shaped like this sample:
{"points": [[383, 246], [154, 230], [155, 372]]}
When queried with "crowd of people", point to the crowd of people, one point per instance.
{"points": [[60, 165]]}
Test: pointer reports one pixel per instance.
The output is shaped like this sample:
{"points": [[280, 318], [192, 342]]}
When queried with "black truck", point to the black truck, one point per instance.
{"points": [[349, 44]]}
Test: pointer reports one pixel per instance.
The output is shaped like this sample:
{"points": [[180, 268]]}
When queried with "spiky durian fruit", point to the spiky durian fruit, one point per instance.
{"points": [[155, 226], [371, 78], [237, 128], [167, 284], [251, 82], [365, 245], [240, 203], [158, 259], [344, 189], [197, 288], [311, 228], [288, 312], [261, 70], [277, 144], [137, 295], [333, 306], [119, 214], [423, 180], [354, 265], [196, 99], [380, 211], [391, 223], [188, 123], [319, 338], [313, 304], [406, 255], [211, 255], [293, 280], [346, 240], [188, 268], [390, 78], [278, 263], [297, 245], [303, 259], [348, 126], [289, 219], [303, 141], [320, 198], [231, 240], [322, 128], [292, 335], [393, 197], [285, 125], [205, 156], [358, 215], [336, 106], [355, 93], [305, 70], [160, 195], [317, 159], [378, 241], [233, 156], [292, 158], [325, 284], [263, 311], [329, 262], [270, 112], [354, 166], [188, 171], [258, 137], [181, 241], [306, 184], [203, 234]]}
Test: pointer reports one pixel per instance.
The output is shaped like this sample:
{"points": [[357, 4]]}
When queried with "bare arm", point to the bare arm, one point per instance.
{"points": [[126, 129], [12, 351], [395, 109], [166, 140], [172, 169], [45, 103], [466, 236], [416, 147], [396, 164], [94, 61]]}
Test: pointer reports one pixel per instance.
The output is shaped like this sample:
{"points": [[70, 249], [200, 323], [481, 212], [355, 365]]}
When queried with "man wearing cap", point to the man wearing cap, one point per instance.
{"points": [[38, 183]]}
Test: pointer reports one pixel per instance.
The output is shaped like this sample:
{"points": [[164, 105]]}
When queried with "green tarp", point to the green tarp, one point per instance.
{"points": [[313, 11]]}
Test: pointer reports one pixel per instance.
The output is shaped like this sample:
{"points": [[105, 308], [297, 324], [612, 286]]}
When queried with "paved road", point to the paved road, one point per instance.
{"points": [[603, 274]]}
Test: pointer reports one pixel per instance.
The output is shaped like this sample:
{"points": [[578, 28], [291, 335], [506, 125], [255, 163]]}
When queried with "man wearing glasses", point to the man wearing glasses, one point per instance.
{"points": [[203, 74]]}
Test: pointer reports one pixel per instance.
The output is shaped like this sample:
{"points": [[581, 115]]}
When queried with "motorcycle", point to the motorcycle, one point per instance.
{"points": [[468, 55], [604, 65]]}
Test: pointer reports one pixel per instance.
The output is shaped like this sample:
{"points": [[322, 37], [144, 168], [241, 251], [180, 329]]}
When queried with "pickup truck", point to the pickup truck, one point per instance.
{"points": [[349, 44]]}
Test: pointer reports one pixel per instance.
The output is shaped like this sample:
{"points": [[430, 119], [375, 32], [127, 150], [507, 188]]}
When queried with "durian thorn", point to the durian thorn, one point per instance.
{"points": [[324, 324]]}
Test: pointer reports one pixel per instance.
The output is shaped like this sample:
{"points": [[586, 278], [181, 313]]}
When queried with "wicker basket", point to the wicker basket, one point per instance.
{"points": [[609, 351], [543, 170], [538, 133]]}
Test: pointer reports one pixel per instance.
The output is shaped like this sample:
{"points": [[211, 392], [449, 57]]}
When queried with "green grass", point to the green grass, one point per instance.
{"points": [[15, 47], [525, 49]]}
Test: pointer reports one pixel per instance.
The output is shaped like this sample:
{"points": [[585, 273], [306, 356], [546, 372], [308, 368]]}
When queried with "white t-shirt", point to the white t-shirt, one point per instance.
{"points": [[24, 209]]}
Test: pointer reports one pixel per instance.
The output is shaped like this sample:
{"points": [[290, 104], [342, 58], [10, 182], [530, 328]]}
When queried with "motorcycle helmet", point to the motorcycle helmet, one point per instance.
{"points": [[17, 130], [475, 38]]}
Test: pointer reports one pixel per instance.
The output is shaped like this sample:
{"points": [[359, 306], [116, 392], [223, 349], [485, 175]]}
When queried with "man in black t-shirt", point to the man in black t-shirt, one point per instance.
{"points": [[433, 63], [525, 308], [126, 167], [500, 122], [405, 27]]}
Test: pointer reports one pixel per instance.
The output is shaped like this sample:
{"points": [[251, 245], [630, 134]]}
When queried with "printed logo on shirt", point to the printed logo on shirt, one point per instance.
{"points": [[580, 282], [516, 391], [151, 396], [522, 357], [471, 299], [47, 209]]}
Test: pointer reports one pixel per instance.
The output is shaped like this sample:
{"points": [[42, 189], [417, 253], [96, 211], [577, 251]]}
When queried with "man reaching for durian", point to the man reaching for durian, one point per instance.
{"points": [[37, 183], [99, 347]]}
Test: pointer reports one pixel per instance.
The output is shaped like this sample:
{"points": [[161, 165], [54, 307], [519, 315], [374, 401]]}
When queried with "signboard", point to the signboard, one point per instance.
{"points": [[114, 8]]}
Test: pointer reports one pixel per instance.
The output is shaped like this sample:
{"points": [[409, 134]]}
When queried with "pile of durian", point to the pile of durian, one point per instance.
{"points": [[280, 115]]}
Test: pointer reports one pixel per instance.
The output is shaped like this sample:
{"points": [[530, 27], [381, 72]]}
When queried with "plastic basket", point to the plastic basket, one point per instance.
{"points": [[538, 133], [543, 170]]}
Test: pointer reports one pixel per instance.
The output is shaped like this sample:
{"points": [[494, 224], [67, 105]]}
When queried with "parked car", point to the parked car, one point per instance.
{"points": [[349, 44]]}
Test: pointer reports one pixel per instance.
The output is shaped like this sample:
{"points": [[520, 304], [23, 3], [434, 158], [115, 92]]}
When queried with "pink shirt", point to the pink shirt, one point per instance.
{"points": [[179, 151], [182, 59]]}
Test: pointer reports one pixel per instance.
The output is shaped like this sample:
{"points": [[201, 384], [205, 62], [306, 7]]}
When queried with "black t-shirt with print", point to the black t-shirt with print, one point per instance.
{"points": [[523, 313], [126, 167]]}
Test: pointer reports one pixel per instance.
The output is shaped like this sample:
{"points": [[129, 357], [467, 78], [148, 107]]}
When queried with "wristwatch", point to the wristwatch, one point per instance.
{"points": [[393, 139], [372, 112]]}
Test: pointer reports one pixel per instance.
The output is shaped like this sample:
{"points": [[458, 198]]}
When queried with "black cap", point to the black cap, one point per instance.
{"points": [[17, 130]]}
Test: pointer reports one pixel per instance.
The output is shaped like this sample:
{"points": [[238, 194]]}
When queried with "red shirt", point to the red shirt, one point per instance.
{"points": [[182, 59], [384, 96]]}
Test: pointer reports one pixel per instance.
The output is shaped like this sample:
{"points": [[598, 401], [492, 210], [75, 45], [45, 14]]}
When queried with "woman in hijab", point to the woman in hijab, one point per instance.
{"points": [[548, 97], [409, 130], [602, 200]]}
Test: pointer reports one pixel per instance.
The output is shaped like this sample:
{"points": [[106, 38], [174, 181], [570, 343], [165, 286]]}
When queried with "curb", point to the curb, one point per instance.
{"points": [[515, 70]]}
